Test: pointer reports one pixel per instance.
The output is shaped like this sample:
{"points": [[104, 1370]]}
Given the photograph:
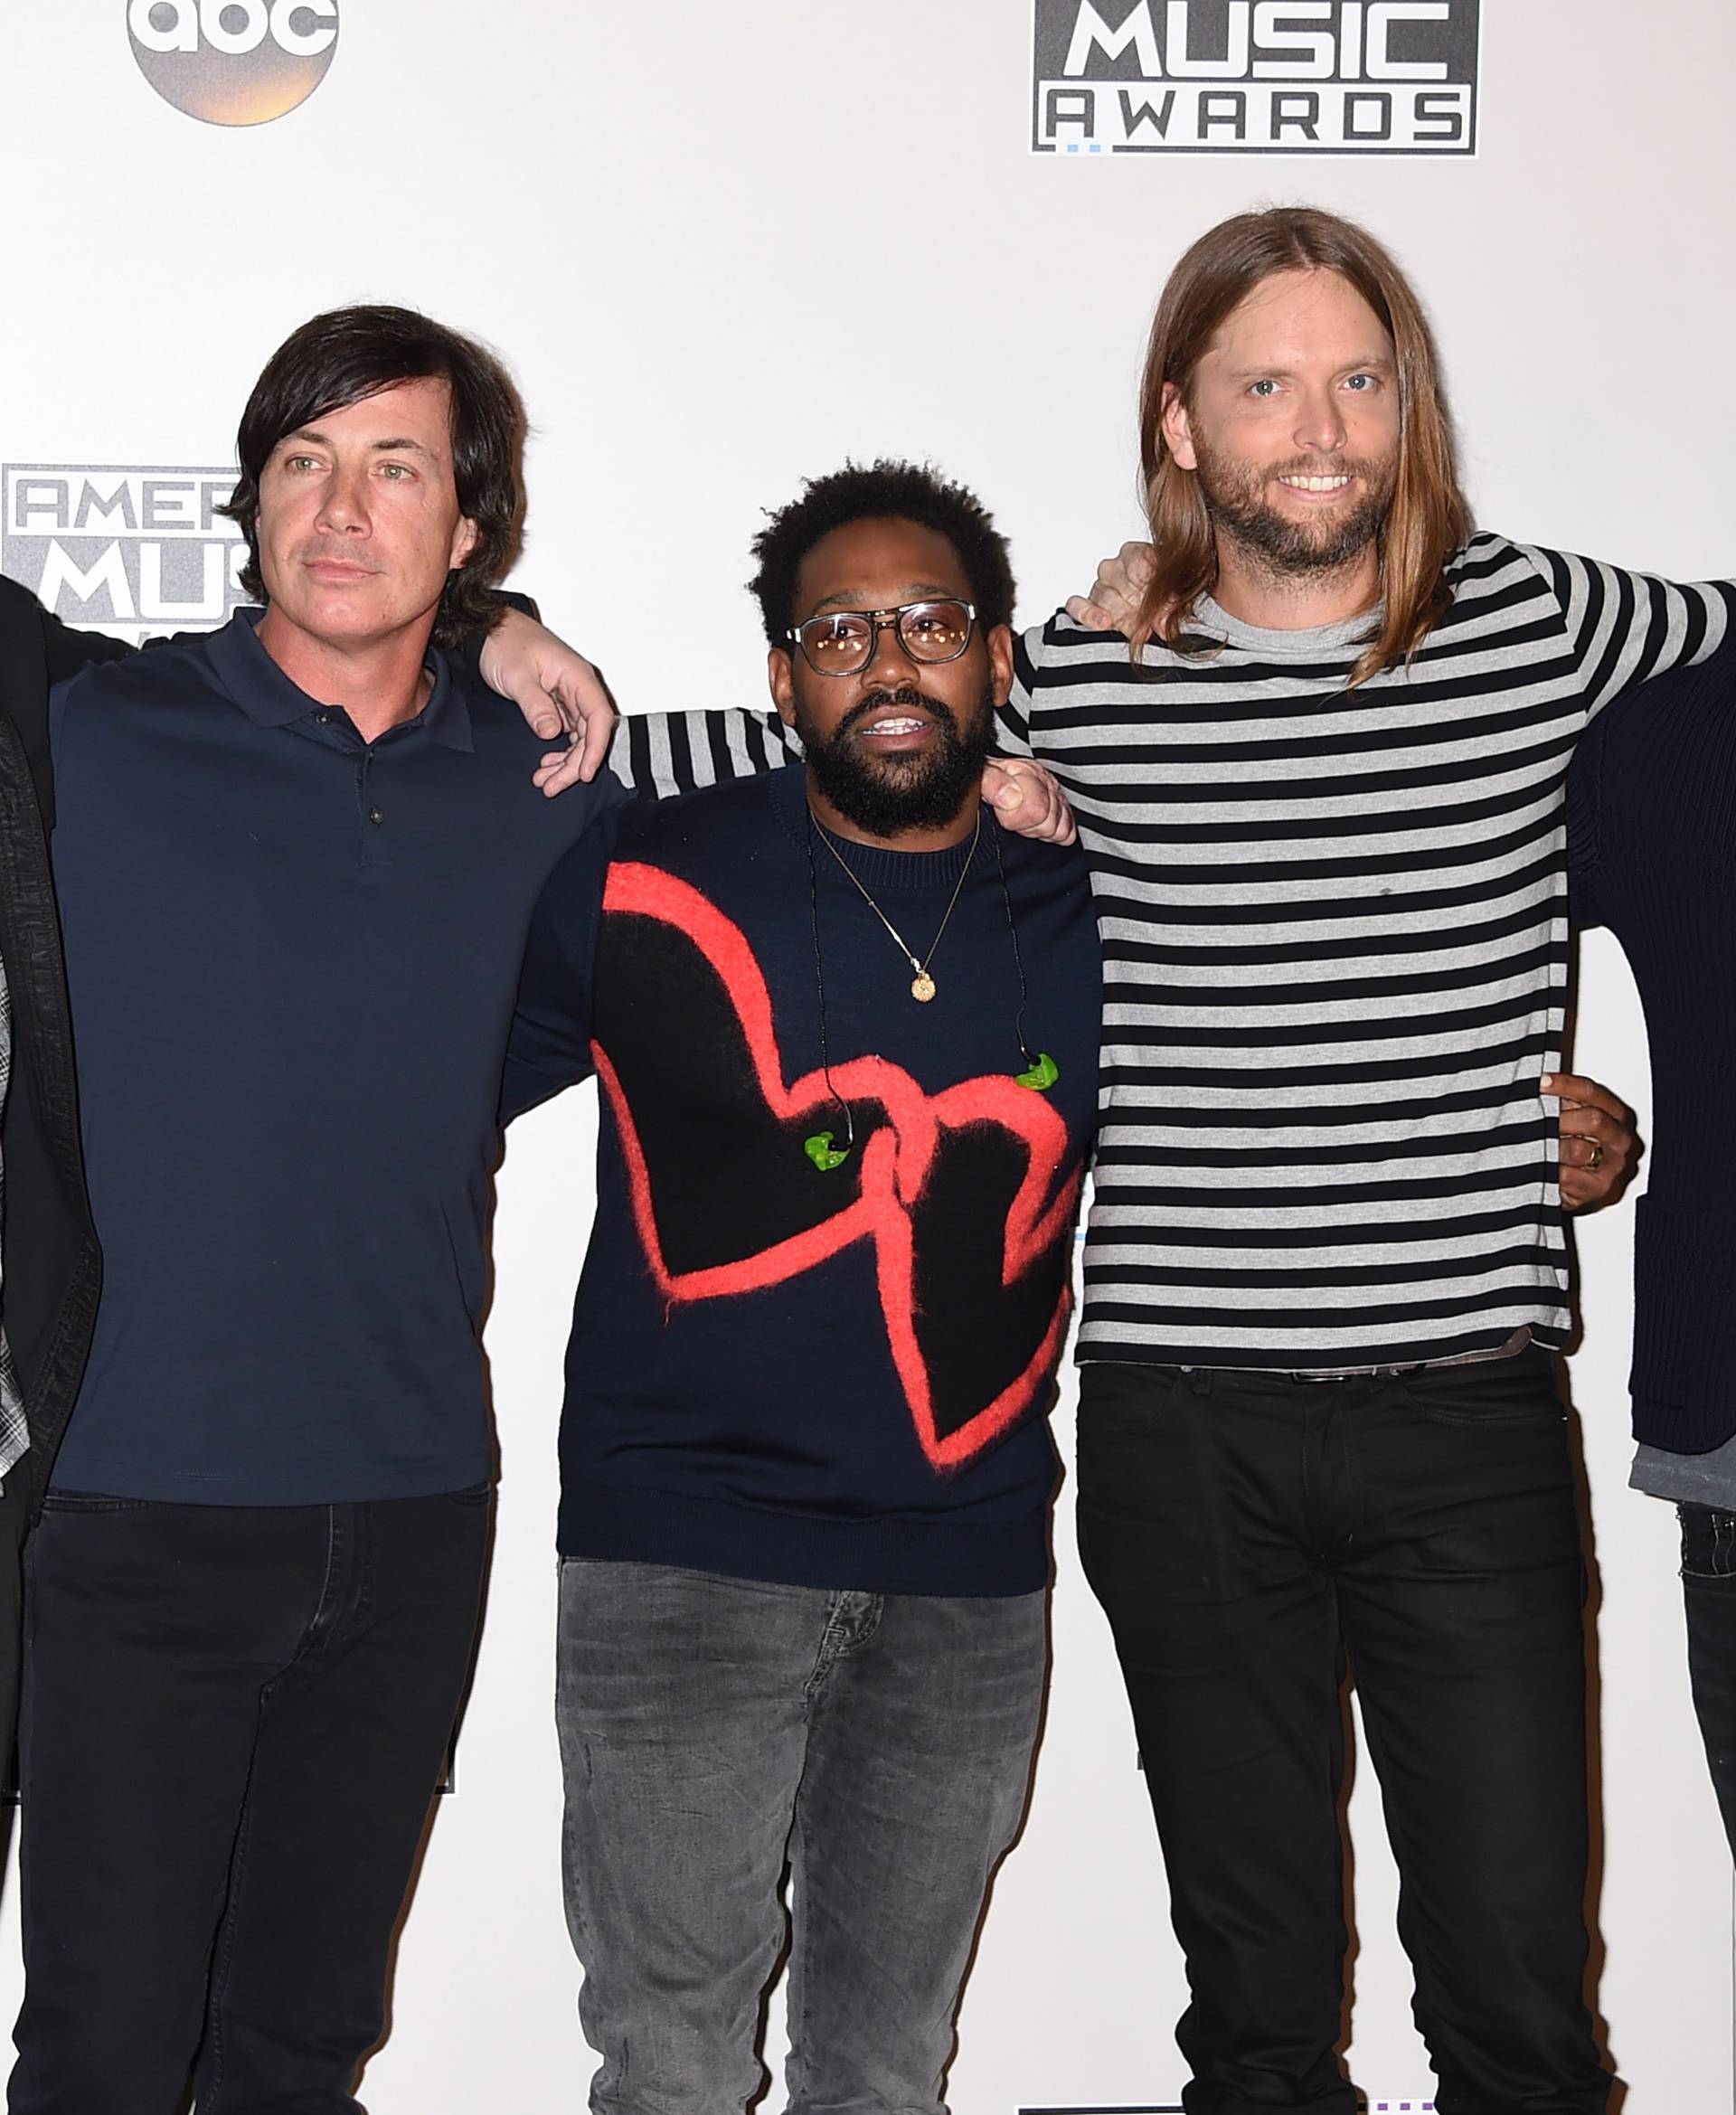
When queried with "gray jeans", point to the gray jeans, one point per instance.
{"points": [[713, 1730]]}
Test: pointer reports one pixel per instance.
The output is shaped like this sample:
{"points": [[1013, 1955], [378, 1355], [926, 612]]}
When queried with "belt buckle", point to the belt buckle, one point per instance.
{"points": [[1359, 1373]]}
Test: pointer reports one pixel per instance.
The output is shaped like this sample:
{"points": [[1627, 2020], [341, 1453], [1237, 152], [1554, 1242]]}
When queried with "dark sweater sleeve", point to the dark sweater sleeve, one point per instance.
{"points": [[67, 650], [550, 1045], [41, 652]]}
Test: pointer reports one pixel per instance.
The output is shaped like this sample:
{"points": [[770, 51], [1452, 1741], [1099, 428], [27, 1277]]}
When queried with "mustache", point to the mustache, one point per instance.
{"points": [[906, 697], [329, 554]]}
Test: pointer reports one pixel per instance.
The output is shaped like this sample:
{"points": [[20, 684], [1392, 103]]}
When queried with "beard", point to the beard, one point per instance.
{"points": [[889, 796], [1235, 499]]}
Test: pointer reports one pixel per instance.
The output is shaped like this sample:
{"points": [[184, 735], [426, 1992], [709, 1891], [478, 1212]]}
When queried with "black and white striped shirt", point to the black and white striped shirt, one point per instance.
{"points": [[1335, 934]]}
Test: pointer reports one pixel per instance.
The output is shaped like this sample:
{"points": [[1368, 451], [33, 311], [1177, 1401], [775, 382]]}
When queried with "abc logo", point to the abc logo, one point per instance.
{"points": [[233, 62]]}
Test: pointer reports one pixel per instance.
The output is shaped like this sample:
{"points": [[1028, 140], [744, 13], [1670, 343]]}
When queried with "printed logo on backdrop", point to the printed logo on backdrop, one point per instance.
{"points": [[131, 551], [233, 62], [1256, 77]]}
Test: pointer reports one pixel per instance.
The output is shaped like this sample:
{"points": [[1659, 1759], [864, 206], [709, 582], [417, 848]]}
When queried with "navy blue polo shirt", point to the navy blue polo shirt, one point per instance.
{"points": [[292, 957]]}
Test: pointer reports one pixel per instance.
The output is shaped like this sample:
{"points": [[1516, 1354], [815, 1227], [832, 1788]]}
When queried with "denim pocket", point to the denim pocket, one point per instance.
{"points": [[1708, 1543], [472, 1495], [1517, 1390]]}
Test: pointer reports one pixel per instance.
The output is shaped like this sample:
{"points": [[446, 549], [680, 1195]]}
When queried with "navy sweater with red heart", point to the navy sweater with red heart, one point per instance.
{"points": [[828, 1376]]}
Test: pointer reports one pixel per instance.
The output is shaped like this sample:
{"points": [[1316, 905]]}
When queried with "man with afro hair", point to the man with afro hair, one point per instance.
{"points": [[846, 1033]]}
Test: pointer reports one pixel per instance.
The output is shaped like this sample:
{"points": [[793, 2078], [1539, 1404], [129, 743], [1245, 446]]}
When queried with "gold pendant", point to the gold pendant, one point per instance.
{"points": [[922, 986]]}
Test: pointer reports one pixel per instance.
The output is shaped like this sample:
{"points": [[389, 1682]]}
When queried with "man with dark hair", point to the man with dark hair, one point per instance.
{"points": [[295, 861], [48, 1290], [345, 356], [913, 492], [847, 1038]]}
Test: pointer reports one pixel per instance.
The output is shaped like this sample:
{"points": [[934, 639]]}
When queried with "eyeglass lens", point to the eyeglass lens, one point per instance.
{"points": [[843, 642]]}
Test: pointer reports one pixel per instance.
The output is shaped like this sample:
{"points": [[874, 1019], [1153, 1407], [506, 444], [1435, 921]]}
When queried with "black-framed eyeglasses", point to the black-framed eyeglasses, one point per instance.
{"points": [[843, 642]]}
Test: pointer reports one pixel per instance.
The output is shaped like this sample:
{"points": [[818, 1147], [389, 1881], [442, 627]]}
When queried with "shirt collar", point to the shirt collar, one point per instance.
{"points": [[1315, 642], [266, 694]]}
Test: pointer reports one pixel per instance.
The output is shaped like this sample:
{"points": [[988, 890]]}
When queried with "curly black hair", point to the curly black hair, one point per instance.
{"points": [[884, 490], [349, 354]]}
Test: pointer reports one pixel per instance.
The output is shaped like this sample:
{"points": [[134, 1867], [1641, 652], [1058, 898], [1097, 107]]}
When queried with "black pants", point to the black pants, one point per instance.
{"points": [[1709, 1590], [233, 1723], [15, 1513], [1249, 1535]]}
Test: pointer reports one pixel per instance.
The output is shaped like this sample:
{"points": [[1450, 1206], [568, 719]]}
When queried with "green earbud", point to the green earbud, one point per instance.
{"points": [[823, 1153], [1042, 1076]]}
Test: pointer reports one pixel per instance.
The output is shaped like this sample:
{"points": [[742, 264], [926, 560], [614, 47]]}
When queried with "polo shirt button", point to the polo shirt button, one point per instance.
{"points": [[375, 815], [325, 719]]}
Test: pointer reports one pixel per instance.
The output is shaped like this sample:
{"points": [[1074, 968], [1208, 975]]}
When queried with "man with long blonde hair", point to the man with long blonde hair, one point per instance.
{"points": [[1320, 780]]}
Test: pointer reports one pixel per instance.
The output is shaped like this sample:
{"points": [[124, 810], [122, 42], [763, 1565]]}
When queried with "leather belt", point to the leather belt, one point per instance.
{"points": [[1514, 1345]]}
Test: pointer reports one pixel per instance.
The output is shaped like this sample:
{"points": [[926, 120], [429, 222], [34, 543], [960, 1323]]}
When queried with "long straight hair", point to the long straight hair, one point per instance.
{"points": [[1428, 520]]}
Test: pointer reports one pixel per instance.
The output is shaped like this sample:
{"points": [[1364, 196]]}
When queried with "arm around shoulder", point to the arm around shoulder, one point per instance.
{"points": [[67, 650], [36, 652]]}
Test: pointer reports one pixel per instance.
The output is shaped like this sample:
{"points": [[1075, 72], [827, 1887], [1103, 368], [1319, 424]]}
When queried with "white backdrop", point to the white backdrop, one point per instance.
{"points": [[692, 229]]}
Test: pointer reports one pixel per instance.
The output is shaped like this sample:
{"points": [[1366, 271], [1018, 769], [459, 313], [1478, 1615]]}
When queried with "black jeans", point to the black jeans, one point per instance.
{"points": [[1709, 1590], [1249, 1535], [234, 1719]]}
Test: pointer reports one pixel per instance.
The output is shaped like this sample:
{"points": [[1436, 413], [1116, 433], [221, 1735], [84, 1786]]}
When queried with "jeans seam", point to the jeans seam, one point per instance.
{"points": [[796, 2066], [1719, 1562], [873, 1618], [1473, 1419], [1707, 1550], [224, 1953], [825, 1656], [225, 1950], [367, 1524], [611, 2079]]}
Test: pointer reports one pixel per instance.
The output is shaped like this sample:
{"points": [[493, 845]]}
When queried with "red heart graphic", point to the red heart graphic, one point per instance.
{"points": [[896, 1163]]}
